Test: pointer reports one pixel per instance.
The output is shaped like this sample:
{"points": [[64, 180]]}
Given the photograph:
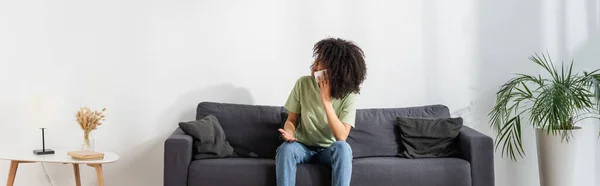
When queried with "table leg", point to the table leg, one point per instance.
{"points": [[99, 174], [12, 173], [77, 175]]}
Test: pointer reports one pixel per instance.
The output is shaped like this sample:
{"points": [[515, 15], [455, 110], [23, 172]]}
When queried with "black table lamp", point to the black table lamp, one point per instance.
{"points": [[43, 151]]}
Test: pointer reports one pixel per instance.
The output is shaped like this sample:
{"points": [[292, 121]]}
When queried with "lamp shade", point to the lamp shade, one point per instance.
{"points": [[41, 110]]}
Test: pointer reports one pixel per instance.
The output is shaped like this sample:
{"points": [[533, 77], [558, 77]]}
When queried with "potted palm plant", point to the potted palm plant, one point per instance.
{"points": [[553, 104]]}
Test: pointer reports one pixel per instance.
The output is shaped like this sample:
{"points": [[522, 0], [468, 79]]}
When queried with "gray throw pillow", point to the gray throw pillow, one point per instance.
{"points": [[209, 139], [429, 137]]}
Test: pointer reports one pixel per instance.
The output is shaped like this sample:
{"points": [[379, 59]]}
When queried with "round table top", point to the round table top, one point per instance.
{"points": [[59, 156]]}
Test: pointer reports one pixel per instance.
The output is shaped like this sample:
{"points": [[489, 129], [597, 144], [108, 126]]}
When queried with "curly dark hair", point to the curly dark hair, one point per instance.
{"points": [[346, 68]]}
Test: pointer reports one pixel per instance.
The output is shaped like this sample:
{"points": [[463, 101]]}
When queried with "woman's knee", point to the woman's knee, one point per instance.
{"points": [[341, 147], [288, 148]]}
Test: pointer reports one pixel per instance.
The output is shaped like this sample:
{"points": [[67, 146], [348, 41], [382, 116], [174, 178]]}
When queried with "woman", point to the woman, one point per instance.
{"points": [[322, 112]]}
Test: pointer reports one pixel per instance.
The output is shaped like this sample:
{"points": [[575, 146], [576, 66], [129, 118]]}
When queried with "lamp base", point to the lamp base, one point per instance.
{"points": [[43, 151]]}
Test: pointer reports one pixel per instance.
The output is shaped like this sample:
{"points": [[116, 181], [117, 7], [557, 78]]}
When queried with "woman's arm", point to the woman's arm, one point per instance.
{"points": [[339, 129], [289, 128], [291, 123]]}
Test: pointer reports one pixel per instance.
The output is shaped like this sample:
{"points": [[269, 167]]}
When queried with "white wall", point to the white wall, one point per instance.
{"points": [[151, 62]]}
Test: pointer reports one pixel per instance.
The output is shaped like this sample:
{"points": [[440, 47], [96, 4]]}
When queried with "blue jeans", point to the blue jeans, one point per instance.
{"points": [[338, 156]]}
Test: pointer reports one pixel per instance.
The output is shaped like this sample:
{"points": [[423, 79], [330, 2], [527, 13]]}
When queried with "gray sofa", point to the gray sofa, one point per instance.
{"points": [[252, 132]]}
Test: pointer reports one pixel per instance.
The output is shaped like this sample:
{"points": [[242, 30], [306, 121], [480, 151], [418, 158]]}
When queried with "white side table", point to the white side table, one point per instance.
{"points": [[59, 156]]}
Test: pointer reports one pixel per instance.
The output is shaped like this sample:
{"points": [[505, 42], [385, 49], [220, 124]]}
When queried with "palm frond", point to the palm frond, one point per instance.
{"points": [[554, 104]]}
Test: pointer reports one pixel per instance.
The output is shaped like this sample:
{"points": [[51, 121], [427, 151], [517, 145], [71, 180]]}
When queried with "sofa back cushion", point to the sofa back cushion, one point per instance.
{"points": [[250, 129], [377, 132]]}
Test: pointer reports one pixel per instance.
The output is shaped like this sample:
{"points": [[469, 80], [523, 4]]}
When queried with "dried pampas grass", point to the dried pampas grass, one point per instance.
{"points": [[88, 121]]}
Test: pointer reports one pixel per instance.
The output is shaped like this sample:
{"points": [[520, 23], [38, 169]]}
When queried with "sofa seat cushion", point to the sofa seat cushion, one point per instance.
{"points": [[383, 171], [251, 172], [366, 171]]}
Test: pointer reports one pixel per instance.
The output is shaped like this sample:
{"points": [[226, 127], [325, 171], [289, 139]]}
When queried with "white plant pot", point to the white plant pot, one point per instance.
{"points": [[557, 158]]}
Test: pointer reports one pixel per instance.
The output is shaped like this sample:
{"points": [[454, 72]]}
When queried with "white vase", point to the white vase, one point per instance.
{"points": [[557, 157]]}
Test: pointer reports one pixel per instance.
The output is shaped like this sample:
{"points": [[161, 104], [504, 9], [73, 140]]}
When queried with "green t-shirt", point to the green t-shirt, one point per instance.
{"points": [[313, 128]]}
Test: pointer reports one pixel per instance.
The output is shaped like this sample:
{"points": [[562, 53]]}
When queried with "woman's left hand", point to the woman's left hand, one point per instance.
{"points": [[325, 88]]}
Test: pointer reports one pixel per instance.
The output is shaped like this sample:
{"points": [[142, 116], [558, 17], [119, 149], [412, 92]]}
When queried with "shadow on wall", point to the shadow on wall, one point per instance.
{"points": [[143, 164], [588, 55], [587, 58], [508, 32]]}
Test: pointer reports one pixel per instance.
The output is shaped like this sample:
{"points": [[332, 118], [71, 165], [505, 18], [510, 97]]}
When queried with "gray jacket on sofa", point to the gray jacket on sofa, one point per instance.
{"points": [[252, 132]]}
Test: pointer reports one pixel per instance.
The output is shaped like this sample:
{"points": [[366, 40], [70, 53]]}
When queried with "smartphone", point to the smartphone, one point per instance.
{"points": [[319, 74]]}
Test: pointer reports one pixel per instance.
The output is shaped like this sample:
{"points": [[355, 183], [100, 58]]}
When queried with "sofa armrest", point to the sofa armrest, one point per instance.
{"points": [[478, 149], [178, 156]]}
